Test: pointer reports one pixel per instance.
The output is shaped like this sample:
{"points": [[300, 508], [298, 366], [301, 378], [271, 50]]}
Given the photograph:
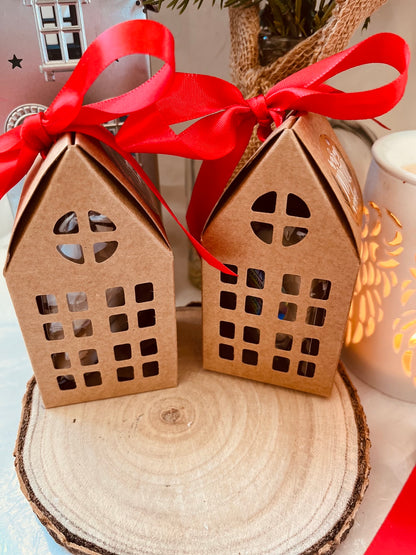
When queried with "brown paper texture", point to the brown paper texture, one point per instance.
{"points": [[90, 274], [289, 226]]}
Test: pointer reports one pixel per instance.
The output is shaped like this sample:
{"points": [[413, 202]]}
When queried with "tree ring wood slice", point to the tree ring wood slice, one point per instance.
{"points": [[218, 465]]}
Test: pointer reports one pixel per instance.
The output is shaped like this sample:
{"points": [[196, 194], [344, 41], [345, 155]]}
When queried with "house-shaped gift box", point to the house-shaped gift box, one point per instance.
{"points": [[90, 273], [289, 226]]}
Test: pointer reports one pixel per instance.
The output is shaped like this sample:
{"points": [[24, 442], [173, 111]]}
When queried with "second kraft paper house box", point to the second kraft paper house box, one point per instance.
{"points": [[289, 226], [90, 273]]}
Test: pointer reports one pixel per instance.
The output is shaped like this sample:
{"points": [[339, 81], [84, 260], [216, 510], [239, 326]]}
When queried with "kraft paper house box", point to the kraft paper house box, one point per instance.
{"points": [[289, 226], [90, 273]]}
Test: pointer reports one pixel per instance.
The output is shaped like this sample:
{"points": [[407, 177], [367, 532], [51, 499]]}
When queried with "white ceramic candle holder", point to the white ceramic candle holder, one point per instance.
{"points": [[380, 342]]}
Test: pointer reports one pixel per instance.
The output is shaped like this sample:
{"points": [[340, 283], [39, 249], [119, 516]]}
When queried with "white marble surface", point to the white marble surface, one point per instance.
{"points": [[392, 426]]}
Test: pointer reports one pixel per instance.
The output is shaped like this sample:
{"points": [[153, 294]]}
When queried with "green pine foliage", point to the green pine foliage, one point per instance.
{"points": [[288, 18], [295, 18]]}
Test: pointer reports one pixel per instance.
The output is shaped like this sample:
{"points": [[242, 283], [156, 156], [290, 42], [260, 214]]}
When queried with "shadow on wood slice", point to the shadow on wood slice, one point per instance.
{"points": [[219, 465]]}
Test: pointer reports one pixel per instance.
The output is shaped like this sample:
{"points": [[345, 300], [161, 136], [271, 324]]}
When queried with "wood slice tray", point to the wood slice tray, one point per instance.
{"points": [[219, 465]]}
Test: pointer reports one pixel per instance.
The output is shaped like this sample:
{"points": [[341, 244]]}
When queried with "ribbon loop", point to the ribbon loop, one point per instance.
{"points": [[34, 134], [20, 146], [225, 120]]}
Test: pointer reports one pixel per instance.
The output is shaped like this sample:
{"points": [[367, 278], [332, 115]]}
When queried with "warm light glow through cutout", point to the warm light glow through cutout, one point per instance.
{"points": [[380, 248]]}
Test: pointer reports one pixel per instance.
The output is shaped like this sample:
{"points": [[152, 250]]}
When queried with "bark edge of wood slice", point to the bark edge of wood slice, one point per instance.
{"points": [[219, 465]]}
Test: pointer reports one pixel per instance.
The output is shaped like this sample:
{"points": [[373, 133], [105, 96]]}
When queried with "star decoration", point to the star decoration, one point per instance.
{"points": [[16, 61]]}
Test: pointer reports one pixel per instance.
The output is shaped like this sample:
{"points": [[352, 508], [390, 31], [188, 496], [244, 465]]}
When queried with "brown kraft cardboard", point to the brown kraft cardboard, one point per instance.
{"points": [[90, 273], [289, 226]]}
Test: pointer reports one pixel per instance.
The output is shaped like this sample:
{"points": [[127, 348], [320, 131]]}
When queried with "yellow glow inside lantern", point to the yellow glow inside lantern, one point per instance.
{"points": [[377, 274], [381, 333]]}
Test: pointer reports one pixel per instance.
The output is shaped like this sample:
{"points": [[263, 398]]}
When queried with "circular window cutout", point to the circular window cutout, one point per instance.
{"points": [[70, 224], [268, 220]]}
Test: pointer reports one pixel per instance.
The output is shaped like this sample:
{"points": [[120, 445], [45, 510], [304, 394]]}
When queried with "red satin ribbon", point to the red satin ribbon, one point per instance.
{"points": [[227, 120], [397, 534], [20, 146]]}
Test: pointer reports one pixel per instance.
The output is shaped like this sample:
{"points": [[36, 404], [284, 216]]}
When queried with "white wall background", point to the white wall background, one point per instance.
{"points": [[396, 16], [202, 45]]}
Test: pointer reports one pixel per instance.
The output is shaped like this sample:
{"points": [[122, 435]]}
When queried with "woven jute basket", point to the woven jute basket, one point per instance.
{"points": [[253, 79]]}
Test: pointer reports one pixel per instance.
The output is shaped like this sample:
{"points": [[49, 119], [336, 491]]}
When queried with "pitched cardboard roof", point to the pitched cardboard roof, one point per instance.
{"points": [[308, 129], [327, 153], [129, 181]]}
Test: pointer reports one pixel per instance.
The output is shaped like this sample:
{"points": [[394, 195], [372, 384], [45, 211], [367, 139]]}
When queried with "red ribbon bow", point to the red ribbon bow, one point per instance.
{"points": [[20, 146], [227, 120]]}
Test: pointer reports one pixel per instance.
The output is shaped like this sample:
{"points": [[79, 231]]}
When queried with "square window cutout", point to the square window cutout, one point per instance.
{"points": [[148, 347], [144, 292], [150, 369], [88, 357], [227, 278], [47, 304], [92, 379], [254, 305], [66, 382], [281, 364], [284, 341], [315, 316], [118, 323], [320, 289], [227, 329], [226, 351], [251, 335], [306, 369], [228, 300], [310, 346], [115, 297], [255, 278], [61, 360], [291, 284], [125, 373], [250, 357], [82, 328], [77, 301], [53, 331], [122, 352], [146, 318], [287, 311]]}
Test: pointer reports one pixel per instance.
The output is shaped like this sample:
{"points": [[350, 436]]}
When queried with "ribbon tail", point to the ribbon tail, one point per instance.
{"points": [[381, 124], [397, 534], [202, 251], [12, 171], [106, 137], [210, 184]]}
